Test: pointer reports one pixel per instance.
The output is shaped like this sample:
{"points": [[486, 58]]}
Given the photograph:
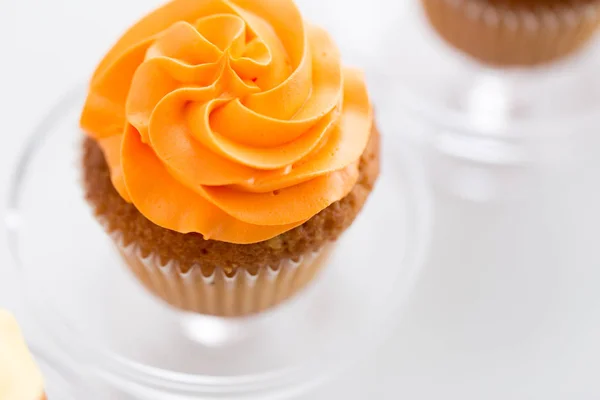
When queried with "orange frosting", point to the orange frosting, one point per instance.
{"points": [[230, 118]]}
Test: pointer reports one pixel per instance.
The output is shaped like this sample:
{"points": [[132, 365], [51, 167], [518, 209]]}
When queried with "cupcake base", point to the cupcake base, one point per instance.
{"points": [[219, 293], [512, 34]]}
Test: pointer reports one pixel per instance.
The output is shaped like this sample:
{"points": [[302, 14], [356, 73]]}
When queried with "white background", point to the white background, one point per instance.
{"points": [[508, 304]]}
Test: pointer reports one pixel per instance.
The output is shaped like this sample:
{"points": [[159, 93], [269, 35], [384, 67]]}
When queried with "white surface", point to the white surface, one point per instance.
{"points": [[507, 306]]}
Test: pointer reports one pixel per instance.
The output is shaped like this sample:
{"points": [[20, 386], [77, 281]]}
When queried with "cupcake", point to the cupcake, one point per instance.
{"points": [[20, 378], [515, 32], [227, 149]]}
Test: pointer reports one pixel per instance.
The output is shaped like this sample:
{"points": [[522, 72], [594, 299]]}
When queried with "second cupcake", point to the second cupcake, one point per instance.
{"points": [[515, 32], [227, 149]]}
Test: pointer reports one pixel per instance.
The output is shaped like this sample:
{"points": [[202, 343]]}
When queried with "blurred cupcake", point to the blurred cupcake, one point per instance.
{"points": [[515, 32], [227, 150], [20, 378]]}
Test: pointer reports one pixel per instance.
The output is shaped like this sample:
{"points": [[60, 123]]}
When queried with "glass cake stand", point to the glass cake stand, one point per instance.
{"points": [[485, 133], [111, 328]]}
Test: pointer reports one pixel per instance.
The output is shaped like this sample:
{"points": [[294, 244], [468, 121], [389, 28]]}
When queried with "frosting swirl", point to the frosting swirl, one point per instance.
{"points": [[230, 118]]}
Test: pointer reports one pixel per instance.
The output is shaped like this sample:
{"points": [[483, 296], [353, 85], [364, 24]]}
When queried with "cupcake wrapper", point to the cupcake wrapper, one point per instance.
{"points": [[221, 294], [510, 36]]}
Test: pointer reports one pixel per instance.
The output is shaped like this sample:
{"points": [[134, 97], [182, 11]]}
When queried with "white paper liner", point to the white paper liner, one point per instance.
{"points": [[227, 295], [514, 36]]}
